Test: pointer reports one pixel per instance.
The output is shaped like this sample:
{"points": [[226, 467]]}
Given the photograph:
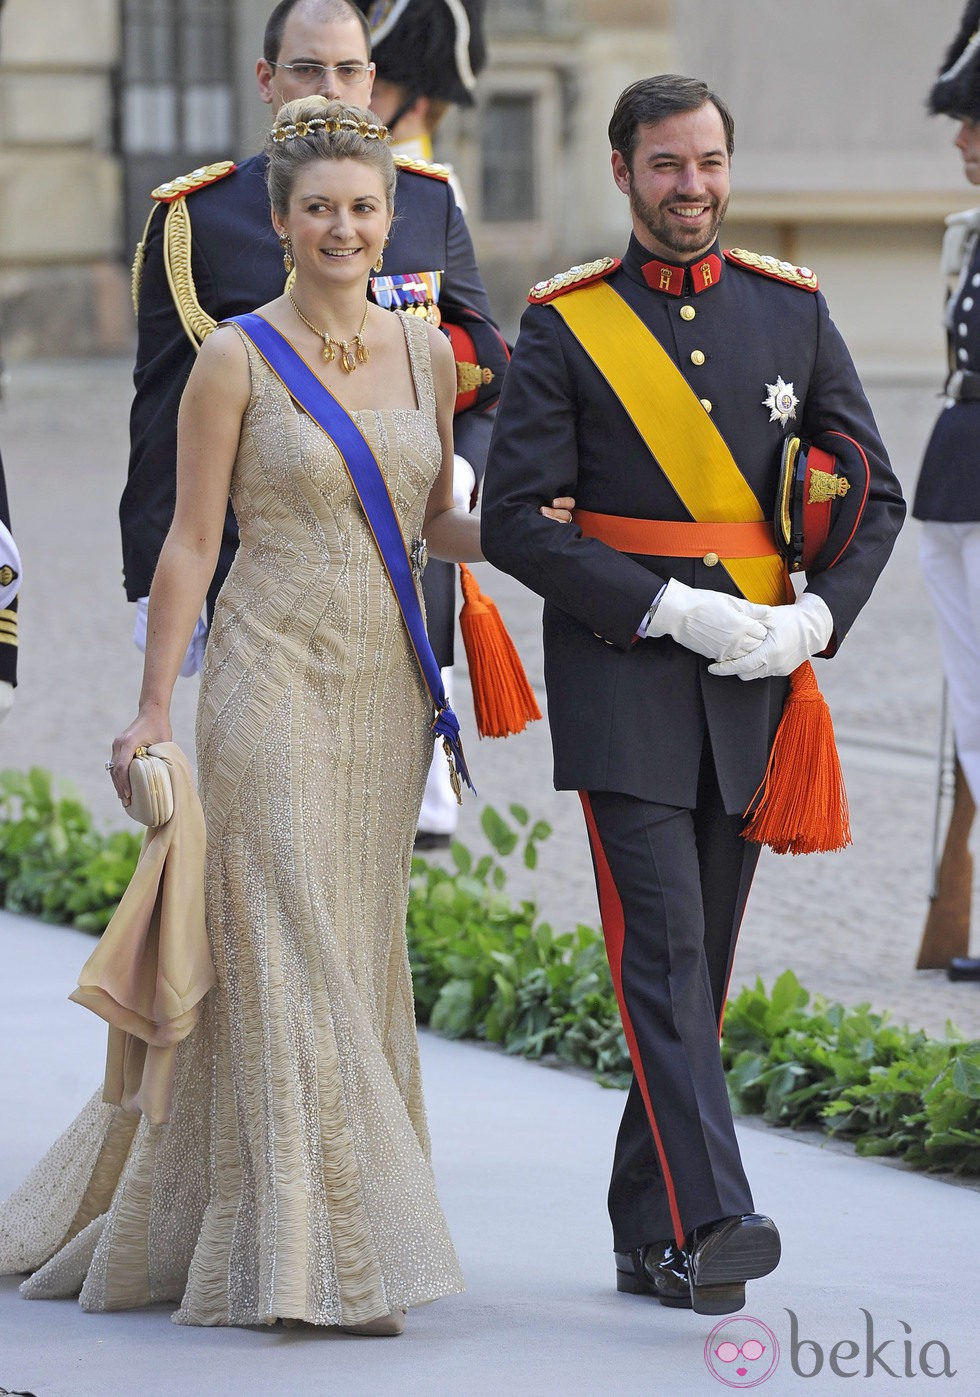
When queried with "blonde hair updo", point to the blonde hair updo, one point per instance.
{"points": [[313, 128]]}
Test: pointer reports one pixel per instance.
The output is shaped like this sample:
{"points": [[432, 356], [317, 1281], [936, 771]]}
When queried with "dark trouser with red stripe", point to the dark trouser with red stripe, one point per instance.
{"points": [[672, 888]]}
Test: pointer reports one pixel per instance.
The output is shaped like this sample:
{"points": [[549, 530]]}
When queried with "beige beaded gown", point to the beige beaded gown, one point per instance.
{"points": [[293, 1179]]}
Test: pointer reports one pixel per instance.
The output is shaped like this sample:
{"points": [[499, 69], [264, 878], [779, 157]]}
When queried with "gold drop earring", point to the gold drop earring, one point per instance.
{"points": [[381, 255], [287, 251]]}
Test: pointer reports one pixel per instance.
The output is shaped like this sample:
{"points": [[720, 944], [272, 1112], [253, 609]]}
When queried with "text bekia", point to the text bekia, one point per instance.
{"points": [[899, 1357]]}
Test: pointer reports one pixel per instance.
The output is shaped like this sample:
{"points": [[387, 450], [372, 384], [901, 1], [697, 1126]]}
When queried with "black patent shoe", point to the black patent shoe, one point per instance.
{"points": [[964, 968], [723, 1255], [658, 1270], [429, 839]]}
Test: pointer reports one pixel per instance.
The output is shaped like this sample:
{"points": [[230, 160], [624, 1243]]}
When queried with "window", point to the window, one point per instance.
{"points": [[177, 84], [508, 187], [176, 102]]}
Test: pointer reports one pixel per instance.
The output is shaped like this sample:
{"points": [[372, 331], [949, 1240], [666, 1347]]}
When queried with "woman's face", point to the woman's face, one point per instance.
{"points": [[337, 221]]}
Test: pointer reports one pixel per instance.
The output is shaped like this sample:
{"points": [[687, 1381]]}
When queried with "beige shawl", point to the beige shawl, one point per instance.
{"points": [[152, 967]]}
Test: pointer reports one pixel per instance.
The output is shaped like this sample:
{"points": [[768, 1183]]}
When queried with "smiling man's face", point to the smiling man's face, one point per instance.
{"points": [[679, 183]]}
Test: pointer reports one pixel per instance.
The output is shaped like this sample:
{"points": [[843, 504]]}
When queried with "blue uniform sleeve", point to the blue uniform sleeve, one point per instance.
{"points": [[462, 284], [164, 359], [534, 457]]}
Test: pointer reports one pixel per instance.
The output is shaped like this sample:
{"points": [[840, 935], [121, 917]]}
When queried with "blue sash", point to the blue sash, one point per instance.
{"points": [[303, 386]]}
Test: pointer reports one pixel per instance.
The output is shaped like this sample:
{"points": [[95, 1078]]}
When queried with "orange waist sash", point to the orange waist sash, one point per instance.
{"points": [[672, 538]]}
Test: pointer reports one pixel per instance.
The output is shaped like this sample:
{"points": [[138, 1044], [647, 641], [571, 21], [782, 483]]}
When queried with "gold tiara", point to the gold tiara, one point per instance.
{"points": [[367, 130]]}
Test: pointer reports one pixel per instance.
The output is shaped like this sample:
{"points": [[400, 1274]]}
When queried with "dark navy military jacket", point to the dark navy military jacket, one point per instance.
{"points": [[948, 488], [632, 716], [237, 265]]}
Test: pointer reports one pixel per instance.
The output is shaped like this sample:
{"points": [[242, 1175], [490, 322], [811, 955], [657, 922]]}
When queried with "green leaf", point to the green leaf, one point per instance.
{"points": [[461, 856], [498, 831]]}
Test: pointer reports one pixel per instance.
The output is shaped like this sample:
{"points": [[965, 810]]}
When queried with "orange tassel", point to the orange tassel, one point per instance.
{"points": [[803, 804], [503, 700]]}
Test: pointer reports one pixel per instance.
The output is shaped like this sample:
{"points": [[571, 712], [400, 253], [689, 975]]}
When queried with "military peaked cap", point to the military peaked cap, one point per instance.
{"points": [[956, 92], [433, 48]]}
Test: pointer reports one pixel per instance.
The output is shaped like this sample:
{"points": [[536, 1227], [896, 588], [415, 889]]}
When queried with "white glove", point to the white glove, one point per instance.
{"points": [[795, 633], [707, 622], [464, 482], [6, 698]]}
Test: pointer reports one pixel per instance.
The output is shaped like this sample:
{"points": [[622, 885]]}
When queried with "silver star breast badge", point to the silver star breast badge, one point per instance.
{"points": [[781, 401]]}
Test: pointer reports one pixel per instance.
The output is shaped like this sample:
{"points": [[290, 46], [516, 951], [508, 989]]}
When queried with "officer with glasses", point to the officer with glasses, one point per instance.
{"points": [[209, 251]]}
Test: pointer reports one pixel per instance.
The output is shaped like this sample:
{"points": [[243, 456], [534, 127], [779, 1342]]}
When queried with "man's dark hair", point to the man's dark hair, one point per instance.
{"points": [[332, 10], [653, 99]]}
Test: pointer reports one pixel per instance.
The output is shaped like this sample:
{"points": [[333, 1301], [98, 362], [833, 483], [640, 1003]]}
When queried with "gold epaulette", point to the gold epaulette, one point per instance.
{"points": [[139, 255], [544, 291], [422, 167], [766, 265], [177, 247], [187, 184]]}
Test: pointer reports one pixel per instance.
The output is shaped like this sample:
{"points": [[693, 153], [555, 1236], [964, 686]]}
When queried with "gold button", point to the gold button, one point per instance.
{"points": [[706, 404], [697, 357], [710, 560], [688, 312]]}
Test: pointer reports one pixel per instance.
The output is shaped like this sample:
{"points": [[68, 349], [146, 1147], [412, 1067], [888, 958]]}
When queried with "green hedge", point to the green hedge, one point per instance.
{"points": [[54, 863], [488, 968]]}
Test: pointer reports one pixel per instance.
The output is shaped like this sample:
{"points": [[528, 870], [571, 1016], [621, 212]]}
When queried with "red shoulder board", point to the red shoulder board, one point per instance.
{"points": [[786, 272], [422, 167], [543, 291], [197, 179]]}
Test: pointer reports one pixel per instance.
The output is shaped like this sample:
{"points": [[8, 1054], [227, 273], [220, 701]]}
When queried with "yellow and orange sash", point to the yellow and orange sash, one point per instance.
{"points": [[802, 804], [674, 426]]}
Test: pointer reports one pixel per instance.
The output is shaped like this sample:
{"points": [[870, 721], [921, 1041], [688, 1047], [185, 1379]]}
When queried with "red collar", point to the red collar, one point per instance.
{"points": [[664, 276]]}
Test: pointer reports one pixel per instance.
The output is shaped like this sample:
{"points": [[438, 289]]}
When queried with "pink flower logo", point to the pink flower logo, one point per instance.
{"points": [[741, 1351]]}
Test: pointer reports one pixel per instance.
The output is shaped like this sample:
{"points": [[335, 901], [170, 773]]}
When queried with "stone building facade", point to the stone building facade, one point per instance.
{"points": [[836, 163]]}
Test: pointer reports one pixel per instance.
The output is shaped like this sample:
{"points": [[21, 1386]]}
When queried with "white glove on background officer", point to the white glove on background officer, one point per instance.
{"points": [[6, 698], [194, 658], [794, 634], [707, 622]]}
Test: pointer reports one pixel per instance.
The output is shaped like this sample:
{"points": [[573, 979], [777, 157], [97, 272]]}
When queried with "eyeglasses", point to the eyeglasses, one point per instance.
{"points": [[728, 1352], [310, 74]]}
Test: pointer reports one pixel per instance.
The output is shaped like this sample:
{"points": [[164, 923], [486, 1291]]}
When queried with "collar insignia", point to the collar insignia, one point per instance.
{"points": [[665, 276]]}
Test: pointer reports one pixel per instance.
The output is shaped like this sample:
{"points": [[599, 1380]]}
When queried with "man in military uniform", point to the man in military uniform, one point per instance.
{"points": [[947, 496], [659, 391], [209, 251]]}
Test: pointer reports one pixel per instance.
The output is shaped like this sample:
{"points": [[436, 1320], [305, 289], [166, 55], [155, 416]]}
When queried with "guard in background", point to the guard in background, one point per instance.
{"points": [[10, 571], [209, 251], [947, 501], [664, 392], [428, 54]]}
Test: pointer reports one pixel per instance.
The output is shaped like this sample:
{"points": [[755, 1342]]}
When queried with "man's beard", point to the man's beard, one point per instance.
{"points": [[669, 234]]}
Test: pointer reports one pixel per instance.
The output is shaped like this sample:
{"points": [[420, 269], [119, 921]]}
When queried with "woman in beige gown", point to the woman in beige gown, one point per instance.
{"points": [[293, 1179]]}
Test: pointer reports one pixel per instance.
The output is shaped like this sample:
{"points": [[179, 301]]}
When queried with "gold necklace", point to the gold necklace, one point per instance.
{"points": [[352, 352]]}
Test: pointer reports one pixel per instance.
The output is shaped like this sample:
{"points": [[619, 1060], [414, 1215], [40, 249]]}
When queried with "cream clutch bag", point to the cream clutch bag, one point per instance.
{"points": [[152, 789]]}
